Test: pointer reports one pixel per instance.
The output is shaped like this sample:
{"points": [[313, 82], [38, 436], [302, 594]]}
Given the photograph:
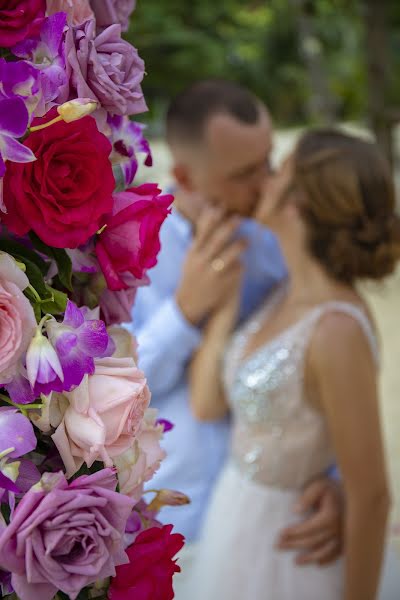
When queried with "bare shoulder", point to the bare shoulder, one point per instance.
{"points": [[339, 338]]}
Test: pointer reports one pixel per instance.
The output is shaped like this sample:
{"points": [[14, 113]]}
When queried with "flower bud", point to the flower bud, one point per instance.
{"points": [[76, 109]]}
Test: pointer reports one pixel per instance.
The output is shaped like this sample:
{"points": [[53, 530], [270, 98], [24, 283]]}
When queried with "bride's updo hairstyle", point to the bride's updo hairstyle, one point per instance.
{"points": [[347, 199]]}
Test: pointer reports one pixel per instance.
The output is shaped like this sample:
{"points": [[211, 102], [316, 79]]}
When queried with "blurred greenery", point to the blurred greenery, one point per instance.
{"points": [[308, 59]]}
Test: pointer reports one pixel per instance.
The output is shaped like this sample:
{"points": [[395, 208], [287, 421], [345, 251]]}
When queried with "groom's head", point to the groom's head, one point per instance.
{"points": [[220, 138]]}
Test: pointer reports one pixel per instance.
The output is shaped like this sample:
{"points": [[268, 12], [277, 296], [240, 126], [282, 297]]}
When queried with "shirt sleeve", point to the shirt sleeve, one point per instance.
{"points": [[166, 342]]}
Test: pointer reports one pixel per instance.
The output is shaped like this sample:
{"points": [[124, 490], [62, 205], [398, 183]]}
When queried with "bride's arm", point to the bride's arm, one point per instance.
{"points": [[207, 397], [341, 364]]}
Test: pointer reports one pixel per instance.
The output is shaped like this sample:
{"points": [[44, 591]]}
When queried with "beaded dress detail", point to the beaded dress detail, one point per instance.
{"points": [[279, 439]]}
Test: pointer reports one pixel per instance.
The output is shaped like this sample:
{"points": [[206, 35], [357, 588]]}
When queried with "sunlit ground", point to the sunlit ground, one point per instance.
{"points": [[385, 302]]}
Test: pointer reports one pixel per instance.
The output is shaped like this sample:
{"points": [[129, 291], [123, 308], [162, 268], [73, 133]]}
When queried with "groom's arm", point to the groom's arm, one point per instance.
{"points": [[166, 342]]}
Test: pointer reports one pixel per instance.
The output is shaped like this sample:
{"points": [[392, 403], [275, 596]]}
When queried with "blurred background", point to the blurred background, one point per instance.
{"points": [[313, 62]]}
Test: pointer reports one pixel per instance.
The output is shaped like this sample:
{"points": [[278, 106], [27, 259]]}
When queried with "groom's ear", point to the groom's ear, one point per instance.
{"points": [[183, 177]]}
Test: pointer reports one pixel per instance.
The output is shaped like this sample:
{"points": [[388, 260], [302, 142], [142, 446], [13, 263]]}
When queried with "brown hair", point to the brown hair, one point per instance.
{"points": [[189, 112], [347, 200]]}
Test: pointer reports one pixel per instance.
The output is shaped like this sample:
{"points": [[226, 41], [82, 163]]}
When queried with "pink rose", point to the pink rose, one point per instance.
{"points": [[104, 414], [131, 240], [125, 343], [77, 10], [138, 464], [65, 536], [17, 319]]}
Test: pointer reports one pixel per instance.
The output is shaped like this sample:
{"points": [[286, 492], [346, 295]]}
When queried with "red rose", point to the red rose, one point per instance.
{"points": [[20, 19], [63, 195], [148, 576], [131, 241]]}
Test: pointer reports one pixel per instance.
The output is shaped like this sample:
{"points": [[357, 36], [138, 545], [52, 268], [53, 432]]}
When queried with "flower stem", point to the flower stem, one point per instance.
{"points": [[44, 125]]}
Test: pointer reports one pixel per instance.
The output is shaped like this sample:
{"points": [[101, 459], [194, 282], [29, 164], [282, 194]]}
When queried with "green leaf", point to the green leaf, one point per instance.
{"points": [[20, 252], [63, 261], [57, 304], [35, 277]]}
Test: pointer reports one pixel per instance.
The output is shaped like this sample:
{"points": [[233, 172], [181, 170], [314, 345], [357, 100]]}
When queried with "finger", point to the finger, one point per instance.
{"points": [[321, 521], [209, 220], [309, 542], [221, 238], [311, 496], [231, 255], [321, 556]]}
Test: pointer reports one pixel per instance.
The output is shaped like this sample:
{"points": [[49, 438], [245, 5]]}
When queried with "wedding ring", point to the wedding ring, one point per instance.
{"points": [[218, 265]]}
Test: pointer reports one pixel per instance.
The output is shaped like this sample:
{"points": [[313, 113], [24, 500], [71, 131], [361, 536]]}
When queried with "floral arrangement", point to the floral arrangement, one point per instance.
{"points": [[78, 440]]}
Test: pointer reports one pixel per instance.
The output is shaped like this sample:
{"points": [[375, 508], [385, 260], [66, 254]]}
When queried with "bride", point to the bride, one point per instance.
{"points": [[301, 381]]}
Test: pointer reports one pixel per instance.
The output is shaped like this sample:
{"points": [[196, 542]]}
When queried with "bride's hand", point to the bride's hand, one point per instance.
{"points": [[222, 321]]}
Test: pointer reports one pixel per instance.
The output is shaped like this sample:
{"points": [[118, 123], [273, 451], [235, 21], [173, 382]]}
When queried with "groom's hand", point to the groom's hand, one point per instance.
{"points": [[319, 537]]}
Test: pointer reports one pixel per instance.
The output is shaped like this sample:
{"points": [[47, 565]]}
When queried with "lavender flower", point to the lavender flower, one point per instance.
{"points": [[105, 68], [77, 341], [127, 141], [17, 436], [108, 12], [47, 54]]}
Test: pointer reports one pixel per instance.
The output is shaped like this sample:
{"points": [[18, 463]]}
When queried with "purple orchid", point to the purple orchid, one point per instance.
{"points": [[83, 261], [127, 141], [19, 388], [14, 119], [77, 341], [21, 80], [46, 53], [166, 425]]}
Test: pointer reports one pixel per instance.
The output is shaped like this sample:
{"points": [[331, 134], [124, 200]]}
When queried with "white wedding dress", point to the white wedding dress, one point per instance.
{"points": [[279, 443]]}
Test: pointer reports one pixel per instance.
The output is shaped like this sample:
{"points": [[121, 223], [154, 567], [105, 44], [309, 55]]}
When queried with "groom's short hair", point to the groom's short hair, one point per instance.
{"points": [[189, 112]]}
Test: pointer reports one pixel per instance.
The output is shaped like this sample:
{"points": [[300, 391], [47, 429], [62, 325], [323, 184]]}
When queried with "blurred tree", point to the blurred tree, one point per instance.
{"points": [[310, 60]]}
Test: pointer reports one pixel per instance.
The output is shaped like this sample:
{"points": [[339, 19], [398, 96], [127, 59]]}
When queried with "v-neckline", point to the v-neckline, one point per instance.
{"points": [[266, 310]]}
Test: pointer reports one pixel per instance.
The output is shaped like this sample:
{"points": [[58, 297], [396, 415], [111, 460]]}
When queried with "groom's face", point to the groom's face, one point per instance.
{"points": [[231, 162]]}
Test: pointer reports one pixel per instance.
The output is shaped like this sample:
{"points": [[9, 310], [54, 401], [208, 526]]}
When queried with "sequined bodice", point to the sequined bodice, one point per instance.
{"points": [[278, 437]]}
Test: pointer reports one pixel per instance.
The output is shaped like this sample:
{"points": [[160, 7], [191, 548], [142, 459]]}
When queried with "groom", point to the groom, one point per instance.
{"points": [[220, 138]]}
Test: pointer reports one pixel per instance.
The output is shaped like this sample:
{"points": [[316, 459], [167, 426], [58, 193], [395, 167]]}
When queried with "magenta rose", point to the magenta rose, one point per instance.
{"points": [[17, 319], [64, 195], [151, 568], [131, 241], [105, 68], [20, 19], [65, 536], [108, 12]]}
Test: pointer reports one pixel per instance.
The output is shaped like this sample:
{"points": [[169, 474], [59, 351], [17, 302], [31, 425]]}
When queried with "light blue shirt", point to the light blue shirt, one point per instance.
{"points": [[195, 451]]}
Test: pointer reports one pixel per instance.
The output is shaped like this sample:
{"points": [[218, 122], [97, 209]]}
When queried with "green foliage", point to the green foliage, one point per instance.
{"points": [[260, 44], [61, 258]]}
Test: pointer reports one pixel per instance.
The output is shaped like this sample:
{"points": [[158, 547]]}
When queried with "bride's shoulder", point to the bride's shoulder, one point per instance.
{"points": [[344, 335]]}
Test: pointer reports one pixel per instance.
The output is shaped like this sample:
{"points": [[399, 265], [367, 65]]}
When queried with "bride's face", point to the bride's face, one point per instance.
{"points": [[276, 199], [278, 208]]}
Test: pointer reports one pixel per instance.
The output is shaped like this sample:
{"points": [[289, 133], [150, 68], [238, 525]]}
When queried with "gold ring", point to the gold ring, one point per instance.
{"points": [[218, 265]]}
